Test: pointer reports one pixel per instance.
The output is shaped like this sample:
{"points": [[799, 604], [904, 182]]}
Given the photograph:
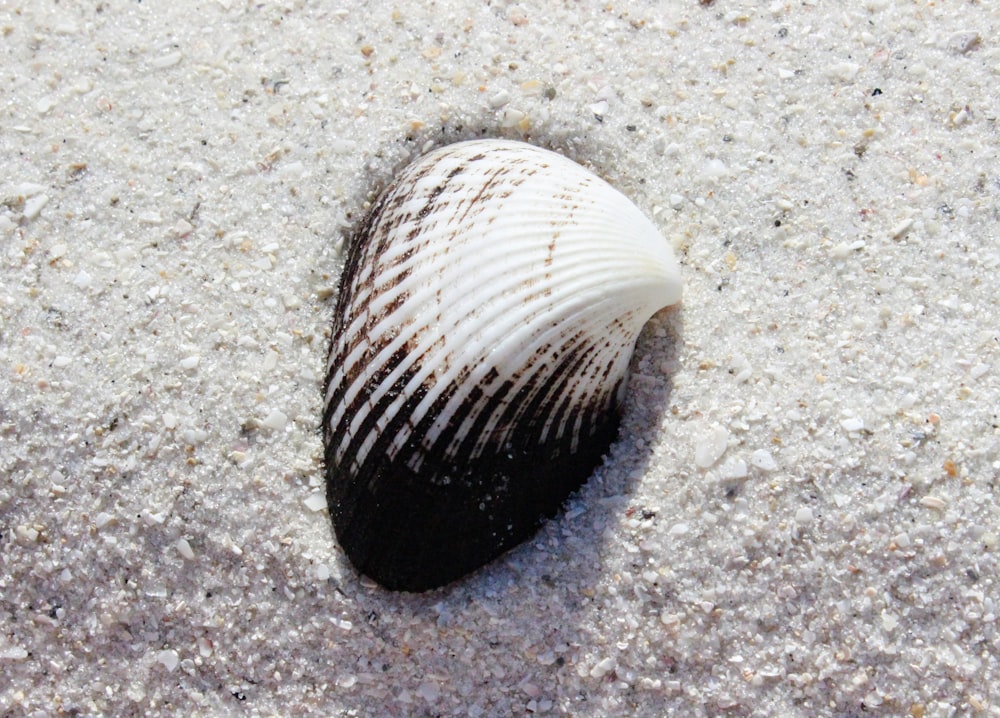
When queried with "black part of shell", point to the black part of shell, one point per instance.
{"points": [[418, 530]]}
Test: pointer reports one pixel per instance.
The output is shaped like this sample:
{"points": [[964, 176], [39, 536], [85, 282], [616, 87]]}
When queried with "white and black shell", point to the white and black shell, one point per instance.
{"points": [[488, 311]]}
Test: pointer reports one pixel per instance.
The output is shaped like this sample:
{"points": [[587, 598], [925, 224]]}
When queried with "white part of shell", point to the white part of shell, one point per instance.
{"points": [[524, 251]]}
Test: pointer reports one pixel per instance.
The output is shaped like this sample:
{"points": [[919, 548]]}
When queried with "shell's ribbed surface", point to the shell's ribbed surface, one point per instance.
{"points": [[487, 314]]}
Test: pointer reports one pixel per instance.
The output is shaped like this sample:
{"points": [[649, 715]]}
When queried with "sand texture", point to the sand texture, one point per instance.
{"points": [[802, 514]]}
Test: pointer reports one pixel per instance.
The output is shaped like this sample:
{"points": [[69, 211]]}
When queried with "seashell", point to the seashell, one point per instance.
{"points": [[488, 310]]}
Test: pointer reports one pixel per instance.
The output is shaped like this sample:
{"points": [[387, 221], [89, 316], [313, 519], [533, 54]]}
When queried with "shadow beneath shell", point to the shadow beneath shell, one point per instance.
{"points": [[571, 548]]}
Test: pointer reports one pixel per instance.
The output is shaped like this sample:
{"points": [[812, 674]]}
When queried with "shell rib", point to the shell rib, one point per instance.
{"points": [[488, 311]]}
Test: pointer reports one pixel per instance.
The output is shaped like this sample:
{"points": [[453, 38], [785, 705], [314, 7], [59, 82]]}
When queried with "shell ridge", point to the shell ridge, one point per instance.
{"points": [[374, 362], [401, 374], [535, 351], [514, 351]]}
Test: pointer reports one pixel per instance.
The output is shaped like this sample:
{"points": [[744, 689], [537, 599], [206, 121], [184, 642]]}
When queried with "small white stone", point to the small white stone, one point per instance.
{"points": [[511, 118], [873, 699], [964, 42], [599, 108], [603, 667], [26, 534], [184, 549], [315, 501], [183, 228], [933, 502], [270, 360], [714, 169], [26, 189], [733, 469], [960, 118], [83, 279], [34, 205], [275, 420], [61, 361], [189, 363], [902, 228], [12, 653], [152, 519], [195, 436], [168, 658], [710, 446], [854, 423], [804, 516], [843, 71], [499, 99], [787, 592], [845, 249], [671, 620], [763, 460]]}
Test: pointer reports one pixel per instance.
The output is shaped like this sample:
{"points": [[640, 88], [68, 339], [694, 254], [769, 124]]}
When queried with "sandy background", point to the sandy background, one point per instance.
{"points": [[801, 516]]}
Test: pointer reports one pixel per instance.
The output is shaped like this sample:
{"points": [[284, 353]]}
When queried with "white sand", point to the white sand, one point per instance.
{"points": [[801, 517]]}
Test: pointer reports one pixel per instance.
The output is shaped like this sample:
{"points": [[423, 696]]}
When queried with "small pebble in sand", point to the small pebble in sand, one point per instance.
{"points": [[898, 231], [275, 420], [33, 206], [168, 658], [184, 549], [710, 446], [853, 424], [763, 460]]}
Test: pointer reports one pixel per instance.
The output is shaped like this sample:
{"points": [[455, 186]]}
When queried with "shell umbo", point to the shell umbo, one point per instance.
{"points": [[488, 311]]}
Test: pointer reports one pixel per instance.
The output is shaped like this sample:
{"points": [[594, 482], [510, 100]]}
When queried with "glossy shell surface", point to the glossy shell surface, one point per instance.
{"points": [[488, 311]]}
